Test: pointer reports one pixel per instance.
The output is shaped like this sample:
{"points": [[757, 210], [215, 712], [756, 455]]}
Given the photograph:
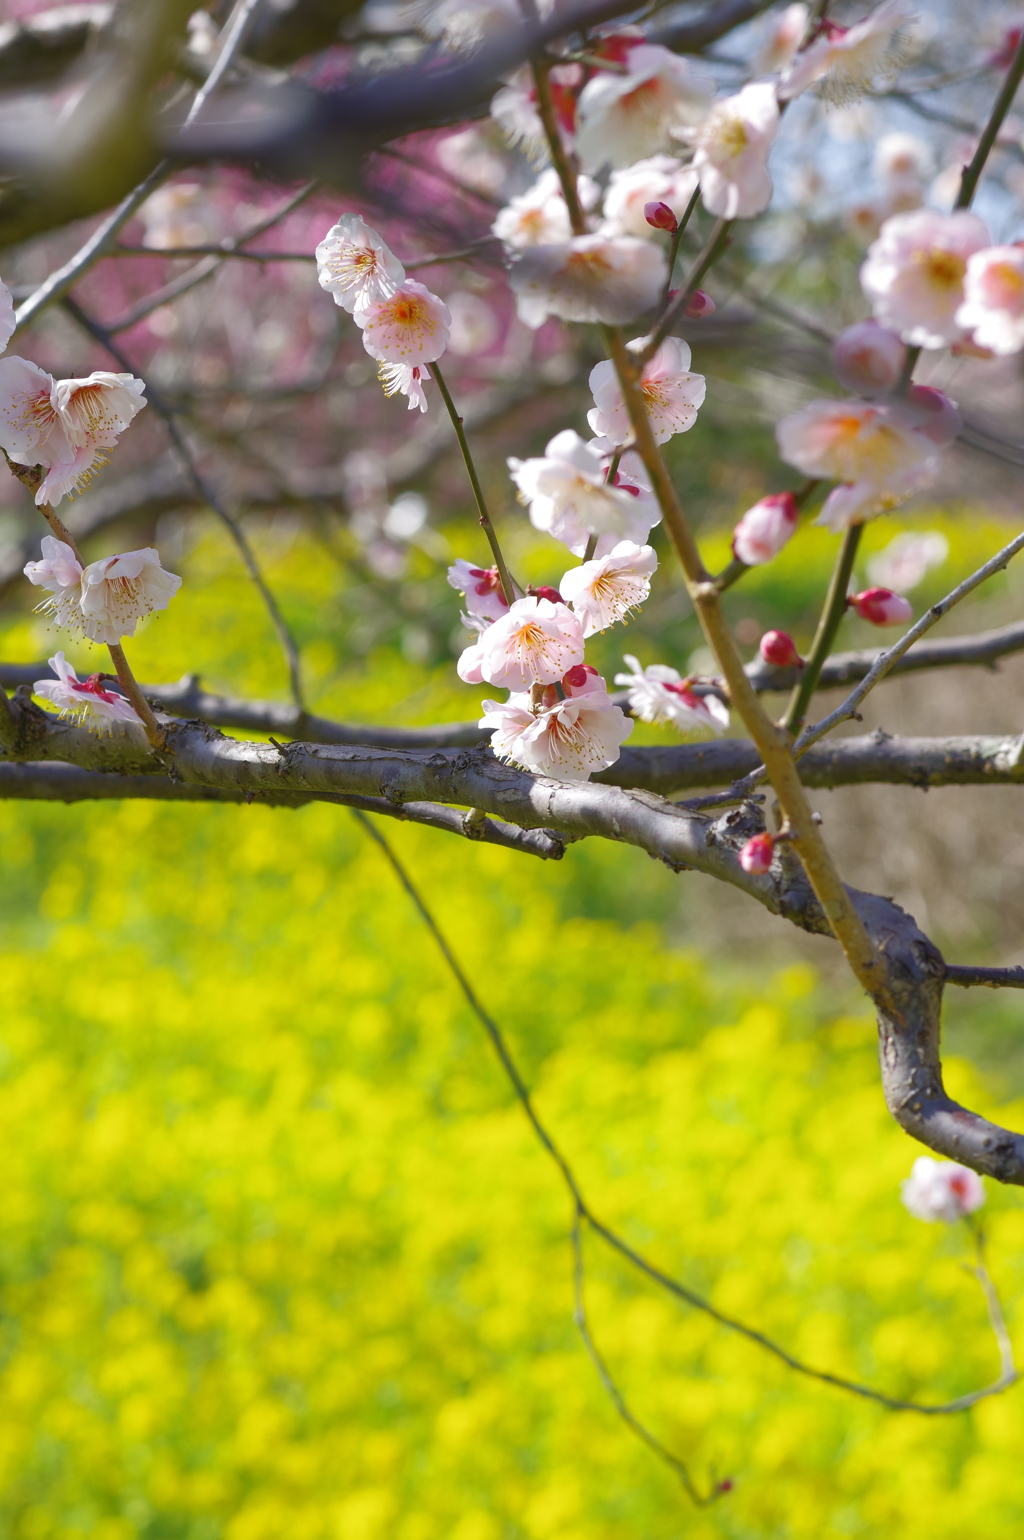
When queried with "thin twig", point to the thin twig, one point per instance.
{"points": [[716, 243], [508, 584], [1003, 103], [831, 617]]}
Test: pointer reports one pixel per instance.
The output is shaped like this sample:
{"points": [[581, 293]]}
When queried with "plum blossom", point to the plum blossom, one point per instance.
{"points": [[933, 414], [622, 118], [566, 739], [779, 649], [868, 359], [661, 179], [756, 854], [659, 694], [907, 559], [671, 394], [534, 642], [481, 587], [604, 590], [539, 216], [849, 60], [731, 152], [589, 278], [784, 36], [857, 502], [85, 699], [61, 424], [993, 307], [569, 498], [852, 441], [764, 529], [411, 327], [355, 265], [406, 380], [941, 1190], [914, 274], [94, 411], [514, 109], [118, 591], [881, 607], [60, 572]]}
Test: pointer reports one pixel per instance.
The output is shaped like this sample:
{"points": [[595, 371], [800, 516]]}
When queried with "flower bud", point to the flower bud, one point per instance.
{"points": [[882, 607], [765, 528], [779, 648], [699, 306], [577, 677], [545, 592], [756, 855], [868, 358], [661, 217], [935, 415]]}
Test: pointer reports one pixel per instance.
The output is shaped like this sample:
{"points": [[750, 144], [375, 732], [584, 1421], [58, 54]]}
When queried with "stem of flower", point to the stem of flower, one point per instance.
{"points": [[1003, 102], [566, 172], [673, 250], [713, 248], [828, 625], [508, 585]]}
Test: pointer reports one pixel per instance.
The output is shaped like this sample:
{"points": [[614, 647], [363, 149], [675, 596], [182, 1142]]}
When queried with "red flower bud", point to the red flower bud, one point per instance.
{"points": [[577, 676], [700, 305], [882, 607], [756, 855], [543, 592], [778, 647], [661, 217]]}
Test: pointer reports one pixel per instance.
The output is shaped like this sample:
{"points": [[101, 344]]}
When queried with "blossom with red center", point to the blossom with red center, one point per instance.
{"points": [[355, 265], [915, 271], [412, 327], [570, 498], [670, 392], [941, 1190], [658, 693], [534, 642], [514, 109], [756, 854], [881, 607], [765, 528], [622, 118], [568, 738], [85, 699], [481, 587]]}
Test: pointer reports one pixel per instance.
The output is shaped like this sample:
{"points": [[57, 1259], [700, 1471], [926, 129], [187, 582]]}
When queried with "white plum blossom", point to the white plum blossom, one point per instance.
{"points": [[731, 152], [622, 118], [60, 572], [96, 409], [411, 327], [907, 559], [481, 587], [941, 1190], [355, 265], [659, 694], [539, 216], [514, 109], [535, 642], [671, 394], [848, 60], [566, 739], [853, 441], [590, 278], [470, 665], [765, 528], [604, 590], [406, 380], [993, 307], [857, 502], [914, 274], [784, 36], [868, 358], [31, 430], [569, 498], [119, 591], [85, 699], [661, 179], [61, 424]]}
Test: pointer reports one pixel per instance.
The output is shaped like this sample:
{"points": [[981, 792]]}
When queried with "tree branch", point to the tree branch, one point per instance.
{"points": [[989, 978]]}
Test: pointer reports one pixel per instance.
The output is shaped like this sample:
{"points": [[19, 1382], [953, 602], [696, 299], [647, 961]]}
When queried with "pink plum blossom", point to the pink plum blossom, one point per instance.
{"points": [[993, 307], [622, 118], [590, 278], [569, 498], [534, 642], [539, 217], [33, 432], [411, 327], [96, 409], [566, 739], [784, 35], [908, 558], [853, 441], [914, 274], [756, 854], [355, 265], [662, 179], [933, 414], [117, 592], [604, 590], [849, 59], [60, 572], [470, 665], [671, 395], [481, 587], [779, 649], [659, 694], [731, 152], [941, 1190], [868, 359], [406, 380], [858, 501], [85, 699], [765, 528], [881, 607]]}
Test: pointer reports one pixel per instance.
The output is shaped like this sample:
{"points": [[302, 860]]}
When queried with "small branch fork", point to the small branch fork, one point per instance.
{"points": [[583, 1213]]}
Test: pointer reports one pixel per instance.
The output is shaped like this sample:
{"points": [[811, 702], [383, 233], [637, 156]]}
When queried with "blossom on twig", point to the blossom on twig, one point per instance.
{"points": [[481, 587], [914, 274], [60, 572], [61, 425], [671, 394], [95, 410], [407, 380], [85, 699], [539, 216], [731, 152], [355, 265], [410, 327], [622, 118], [765, 528], [514, 109], [604, 590], [848, 60], [566, 739], [852, 441], [659, 694], [993, 308], [590, 278], [784, 35], [534, 642], [661, 179], [119, 591], [941, 1190], [569, 498]]}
